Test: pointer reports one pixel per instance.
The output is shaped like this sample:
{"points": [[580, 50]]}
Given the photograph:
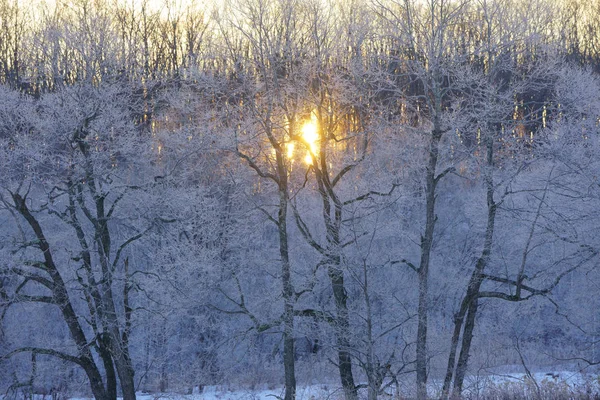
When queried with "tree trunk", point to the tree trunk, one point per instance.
{"points": [[374, 377], [288, 359], [124, 371], [423, 271], [342, 332], [463, 359], [98, 389], [458, 321], [471, 300], [422, 336], [287, 287], [62, 300], [372, 394], [118, 348], [288, 342], [109, 369]]}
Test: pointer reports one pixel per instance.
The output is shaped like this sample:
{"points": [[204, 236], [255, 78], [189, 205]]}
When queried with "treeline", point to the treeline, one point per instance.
{"points": [[394, 195], [47, 45]]}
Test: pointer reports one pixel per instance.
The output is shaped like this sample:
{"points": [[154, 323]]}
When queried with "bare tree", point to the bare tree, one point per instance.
{"points": [[423, 66], [76, 177], [265, 55], [502, 77]]}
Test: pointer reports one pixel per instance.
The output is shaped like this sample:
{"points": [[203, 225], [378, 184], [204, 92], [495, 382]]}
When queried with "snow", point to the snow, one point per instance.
{"points": [[546, 383], [312, 392]]}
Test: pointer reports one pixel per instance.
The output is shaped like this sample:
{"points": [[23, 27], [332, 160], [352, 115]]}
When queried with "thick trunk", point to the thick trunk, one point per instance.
{"points": [[288, 289], [471, 300], [332, 217], [421, 366], [62, 300], [463, 359], [342, 332], [124, 371], [289, 362], [288, 351], [423, 271], [458, 322], [98, 389], [373, 374], [111, 377], [372, 395], [118, 350], [127, 383]]}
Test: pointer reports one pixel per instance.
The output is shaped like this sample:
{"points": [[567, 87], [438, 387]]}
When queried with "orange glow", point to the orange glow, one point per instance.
{"points": [[310, 135], [290, 150]]}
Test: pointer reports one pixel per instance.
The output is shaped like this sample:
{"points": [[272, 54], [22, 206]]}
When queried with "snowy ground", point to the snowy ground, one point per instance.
{"points": [[476, 385], [543, 383], [539, 385], [314, 392]]}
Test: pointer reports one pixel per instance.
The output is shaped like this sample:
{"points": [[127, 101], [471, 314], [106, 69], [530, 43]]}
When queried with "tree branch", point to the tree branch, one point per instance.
{"points": [[49, 352], [370, 194]]}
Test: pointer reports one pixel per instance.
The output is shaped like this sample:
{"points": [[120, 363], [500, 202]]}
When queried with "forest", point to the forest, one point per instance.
{"points": [[398, 199]]}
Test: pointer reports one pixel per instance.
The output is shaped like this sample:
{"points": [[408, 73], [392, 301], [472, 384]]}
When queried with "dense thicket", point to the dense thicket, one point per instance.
{"points": [[392, 196]]}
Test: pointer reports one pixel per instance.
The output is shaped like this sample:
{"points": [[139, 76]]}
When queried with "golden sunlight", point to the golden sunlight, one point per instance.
{"points": [[310, 135], [290, 150]]}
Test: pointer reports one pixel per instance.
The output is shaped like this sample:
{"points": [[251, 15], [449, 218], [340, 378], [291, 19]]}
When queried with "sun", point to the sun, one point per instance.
{"points": [[310, 136], [290, 150]]}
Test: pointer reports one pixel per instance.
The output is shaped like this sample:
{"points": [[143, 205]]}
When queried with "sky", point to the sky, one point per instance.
{"points": [[154, 5]]}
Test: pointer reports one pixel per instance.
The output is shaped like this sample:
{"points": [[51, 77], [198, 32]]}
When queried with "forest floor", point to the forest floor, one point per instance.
{"points": [[539, 385]]}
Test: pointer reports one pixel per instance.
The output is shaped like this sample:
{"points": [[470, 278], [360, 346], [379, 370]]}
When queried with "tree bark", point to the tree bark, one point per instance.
{"points": [[463, 359], [62, 300], [458, 321], [123, 367], [332, 216], [470, 303], [288, 293], [109, 368], [423, 271], [118, 349], [342, 327]]}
